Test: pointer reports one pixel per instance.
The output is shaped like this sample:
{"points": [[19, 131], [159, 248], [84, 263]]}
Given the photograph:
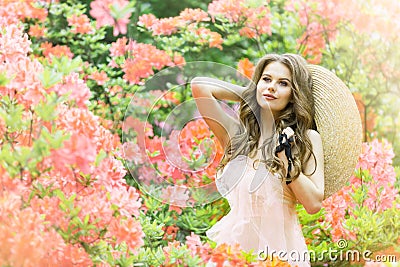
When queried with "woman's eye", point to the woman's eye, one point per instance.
{"points": [[266, 79], [284, 84]]}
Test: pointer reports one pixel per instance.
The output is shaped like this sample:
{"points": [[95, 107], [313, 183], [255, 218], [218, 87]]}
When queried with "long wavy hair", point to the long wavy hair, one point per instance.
{"points": [[298, 114]]}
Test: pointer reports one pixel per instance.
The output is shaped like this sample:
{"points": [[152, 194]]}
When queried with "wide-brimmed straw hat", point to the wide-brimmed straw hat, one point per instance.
{"points": [[339, 124]]}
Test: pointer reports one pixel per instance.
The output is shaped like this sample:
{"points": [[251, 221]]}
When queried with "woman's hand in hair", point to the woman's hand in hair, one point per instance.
{"points": [[207, 92]]}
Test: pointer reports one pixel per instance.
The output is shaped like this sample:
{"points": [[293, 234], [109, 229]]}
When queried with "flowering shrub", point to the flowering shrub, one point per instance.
{"points": [[89, 169], [363, 212], [63, 196]]}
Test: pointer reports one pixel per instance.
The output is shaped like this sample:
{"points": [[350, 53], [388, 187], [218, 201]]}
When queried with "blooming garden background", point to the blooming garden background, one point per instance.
{"points": [[85, 140]]}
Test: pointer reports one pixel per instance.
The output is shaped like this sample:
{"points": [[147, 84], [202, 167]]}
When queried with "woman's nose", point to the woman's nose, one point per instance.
{"points": [[271, 87]]}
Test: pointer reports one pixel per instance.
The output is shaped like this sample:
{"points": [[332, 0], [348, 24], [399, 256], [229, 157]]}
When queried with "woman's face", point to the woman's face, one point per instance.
{"points": [[274, 89]]}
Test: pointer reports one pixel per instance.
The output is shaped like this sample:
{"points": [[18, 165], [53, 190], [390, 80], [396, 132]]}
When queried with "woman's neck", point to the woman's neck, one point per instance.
{"points": [[267, 124]]}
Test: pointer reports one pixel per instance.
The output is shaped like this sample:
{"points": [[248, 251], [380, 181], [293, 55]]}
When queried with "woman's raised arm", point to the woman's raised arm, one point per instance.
{"points": [[206, 92]]}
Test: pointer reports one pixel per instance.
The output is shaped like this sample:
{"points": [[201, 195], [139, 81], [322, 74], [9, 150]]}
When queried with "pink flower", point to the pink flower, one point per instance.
{"points": [[119, 48], [37, 31], [235, 11], [143, 59], [166, 26], [100, 77], [14, 43], [78, 151], [80, 24], [58, 51], [110, 174], [113, 13], [76, 87], [26, 239], [127, 200], [194, 244], [259, 20], [375, 160], [136, 70], [147, 20], [197, 15], [179, 59], [213, 39], [127, 230]]}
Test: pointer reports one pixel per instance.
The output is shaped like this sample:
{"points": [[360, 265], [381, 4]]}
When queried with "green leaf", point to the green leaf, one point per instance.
{"points": [[100, 156], [49, 77], [118, 12], [11, 113], [46, 110], [4, 80]]}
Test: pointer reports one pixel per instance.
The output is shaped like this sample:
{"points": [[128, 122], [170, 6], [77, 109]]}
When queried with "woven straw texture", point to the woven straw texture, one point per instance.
{"points": [[339, 124]]}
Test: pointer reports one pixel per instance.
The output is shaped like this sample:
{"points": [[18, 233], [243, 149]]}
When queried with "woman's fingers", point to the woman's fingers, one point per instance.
{"points": [[288, 131]]}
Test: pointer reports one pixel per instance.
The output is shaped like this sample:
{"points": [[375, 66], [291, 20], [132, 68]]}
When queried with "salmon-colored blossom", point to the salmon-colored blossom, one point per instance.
{"points": [[127, 230], [77, 89], [234, 11], [26, 240], [259, 20], [37, 31], [170, 232], [136, 70], [312, 43], [179, 60], [57, 51], [145, 59], [80, 24], [167, 252], [119, 48], [194, 15], [132, 152], [166, 26], [100, 77], [15, 11], [205, 35], [147, 20], [248, 32], [246, 67], [77, 152], [127, 200]]}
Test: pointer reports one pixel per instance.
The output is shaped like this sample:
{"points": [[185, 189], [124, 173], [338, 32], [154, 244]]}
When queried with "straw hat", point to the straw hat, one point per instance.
{"points": [[339, 124]]}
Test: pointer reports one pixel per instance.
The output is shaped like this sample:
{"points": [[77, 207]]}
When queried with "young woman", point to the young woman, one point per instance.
{"points": [[273, 158]]}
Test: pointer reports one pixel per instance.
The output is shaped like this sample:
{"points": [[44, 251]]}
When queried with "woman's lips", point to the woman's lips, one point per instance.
{"points": [[269, 97]]}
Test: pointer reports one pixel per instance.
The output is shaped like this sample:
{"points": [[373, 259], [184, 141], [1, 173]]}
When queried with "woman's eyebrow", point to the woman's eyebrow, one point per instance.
{"points": [[281, 79], [285, 79]]}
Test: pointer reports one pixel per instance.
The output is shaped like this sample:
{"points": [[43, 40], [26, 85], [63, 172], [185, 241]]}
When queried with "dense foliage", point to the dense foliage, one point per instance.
{"points": [[95, 102]]}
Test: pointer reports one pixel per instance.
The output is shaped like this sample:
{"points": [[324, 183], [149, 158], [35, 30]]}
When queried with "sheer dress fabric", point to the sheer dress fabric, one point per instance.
{"points": [[262, 216]]}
